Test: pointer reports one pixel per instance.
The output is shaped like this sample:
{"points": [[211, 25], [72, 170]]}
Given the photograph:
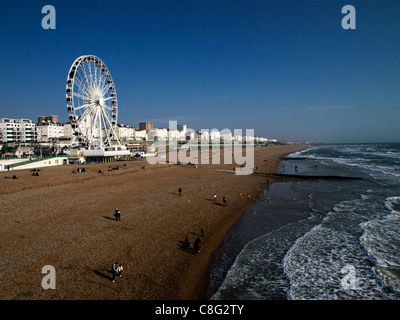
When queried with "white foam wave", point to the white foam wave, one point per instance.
{"points": [[393, 204], [315, 263], [381, 240]]}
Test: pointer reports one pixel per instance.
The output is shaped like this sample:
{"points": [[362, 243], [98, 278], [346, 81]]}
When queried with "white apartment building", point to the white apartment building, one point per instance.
{"points": [[17, 130], [47, 131]]}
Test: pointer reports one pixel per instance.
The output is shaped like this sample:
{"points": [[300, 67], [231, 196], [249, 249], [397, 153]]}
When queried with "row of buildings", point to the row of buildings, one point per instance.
{"points": [[49, 129]]}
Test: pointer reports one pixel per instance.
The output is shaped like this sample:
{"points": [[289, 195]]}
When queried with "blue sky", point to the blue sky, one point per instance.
{"points": [[285, 68]]}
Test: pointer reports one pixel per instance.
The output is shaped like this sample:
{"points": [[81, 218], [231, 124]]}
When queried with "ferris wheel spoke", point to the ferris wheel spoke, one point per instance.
{"points": [[106, 117], [82, 86], [85, 114], [87, 81], [104, 89], [95, 77], [82, 106], [83, 97], [107, 108], [110, 129]]}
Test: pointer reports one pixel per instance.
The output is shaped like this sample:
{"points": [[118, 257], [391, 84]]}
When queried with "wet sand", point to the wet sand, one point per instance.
{"points": [[65, 220]]}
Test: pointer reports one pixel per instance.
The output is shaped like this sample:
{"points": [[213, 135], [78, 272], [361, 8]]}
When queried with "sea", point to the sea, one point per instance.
{"points": [[332, 236]]}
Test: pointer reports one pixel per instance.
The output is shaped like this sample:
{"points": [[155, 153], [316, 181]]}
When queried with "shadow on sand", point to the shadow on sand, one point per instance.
{"points": [[109, 218], [106, 276]]}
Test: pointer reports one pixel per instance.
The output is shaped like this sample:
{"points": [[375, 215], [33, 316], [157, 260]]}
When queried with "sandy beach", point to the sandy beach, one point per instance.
{"points": [[65, 220]]}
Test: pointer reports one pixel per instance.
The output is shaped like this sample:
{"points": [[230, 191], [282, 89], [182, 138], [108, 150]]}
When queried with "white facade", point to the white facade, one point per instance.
{"points": [[124, 133], [17, 130], [68, 133], [48, 131], [157, 134], [140, 134], [226, 136]]}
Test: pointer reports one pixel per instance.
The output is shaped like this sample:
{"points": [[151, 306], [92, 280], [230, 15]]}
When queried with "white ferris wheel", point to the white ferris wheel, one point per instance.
{"points": [[92, 103]]}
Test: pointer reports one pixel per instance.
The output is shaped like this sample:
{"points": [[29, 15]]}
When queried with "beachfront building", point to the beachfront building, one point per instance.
{"points": [[157, 134], [176, 135], [191, 135], [17, 130], [124, 132], [48, 128], [145, 126], [215, 135], [47, 131], [226, 136], [68, 132], [237, 138], [139, 134]]}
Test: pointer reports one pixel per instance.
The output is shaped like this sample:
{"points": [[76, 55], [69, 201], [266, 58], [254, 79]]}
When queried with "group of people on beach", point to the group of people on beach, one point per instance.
{"points": [[187, 246]]}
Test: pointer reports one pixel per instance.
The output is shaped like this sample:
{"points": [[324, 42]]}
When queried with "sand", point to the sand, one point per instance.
{"points": [[65, 220]]}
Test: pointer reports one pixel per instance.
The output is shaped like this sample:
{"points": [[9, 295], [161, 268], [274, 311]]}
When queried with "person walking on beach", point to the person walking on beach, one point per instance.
{"points": [[202, 232], [119, 270], [215, 197], [180, 192], [114, 270], [224, 201], [197, 245]]}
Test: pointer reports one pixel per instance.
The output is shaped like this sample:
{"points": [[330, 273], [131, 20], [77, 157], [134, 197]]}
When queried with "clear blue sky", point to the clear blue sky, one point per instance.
{"points": [[284, 68]]}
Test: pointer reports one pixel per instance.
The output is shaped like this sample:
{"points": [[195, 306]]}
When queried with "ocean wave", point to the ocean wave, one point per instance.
{"points": [[257, 272], [316, 261], [381, 240], [393, 204], [355, 228]]}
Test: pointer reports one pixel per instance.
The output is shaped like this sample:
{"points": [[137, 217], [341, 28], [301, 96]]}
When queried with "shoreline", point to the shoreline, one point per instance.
{"points": [[273, 177], [64, 219]]}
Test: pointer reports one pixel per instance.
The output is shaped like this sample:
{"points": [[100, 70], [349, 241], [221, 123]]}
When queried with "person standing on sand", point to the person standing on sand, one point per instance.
{"points": [[215, 197], [117, 215], [224, 200], [114, 270], [180, 192], [197, 245], [202, 232], [119, 270]]}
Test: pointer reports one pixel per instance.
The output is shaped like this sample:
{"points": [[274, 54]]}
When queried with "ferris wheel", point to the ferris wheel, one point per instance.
{"points": [[92, 103]]}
